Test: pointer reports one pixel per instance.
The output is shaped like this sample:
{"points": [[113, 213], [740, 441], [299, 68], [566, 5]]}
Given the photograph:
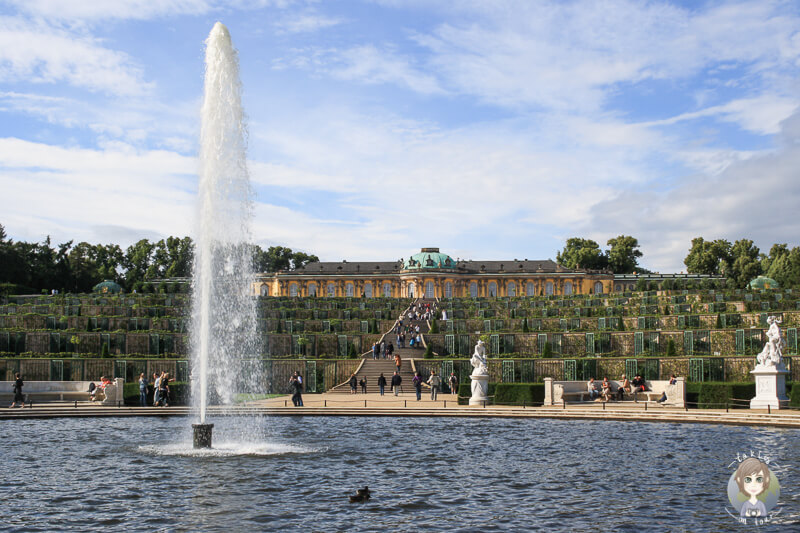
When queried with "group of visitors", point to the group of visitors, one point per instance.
{"points": [[296, 383], [383, 350], [160, 389], [626, 387]]}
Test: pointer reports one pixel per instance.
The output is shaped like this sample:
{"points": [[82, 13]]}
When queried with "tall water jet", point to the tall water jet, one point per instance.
{"points": [[223, 310]]}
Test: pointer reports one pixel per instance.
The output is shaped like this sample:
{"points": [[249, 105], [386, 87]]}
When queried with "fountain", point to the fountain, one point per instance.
{"points": [[223, 310]]}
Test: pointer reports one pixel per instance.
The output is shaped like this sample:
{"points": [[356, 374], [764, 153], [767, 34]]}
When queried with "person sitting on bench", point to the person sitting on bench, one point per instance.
{"points": [[101, 388], [638, 385], [625, 387], [592, 388]]}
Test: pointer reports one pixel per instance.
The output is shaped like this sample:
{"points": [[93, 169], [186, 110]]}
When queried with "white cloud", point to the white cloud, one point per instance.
{"points": [[43, 54], [305, 22]]}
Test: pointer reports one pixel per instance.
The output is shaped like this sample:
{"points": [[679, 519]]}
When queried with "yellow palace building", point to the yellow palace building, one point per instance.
{"points": [[432, 274]]}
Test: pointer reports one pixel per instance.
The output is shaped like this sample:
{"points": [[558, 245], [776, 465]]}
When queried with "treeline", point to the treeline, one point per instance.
{"points": [[68, 267], [740, 261]]}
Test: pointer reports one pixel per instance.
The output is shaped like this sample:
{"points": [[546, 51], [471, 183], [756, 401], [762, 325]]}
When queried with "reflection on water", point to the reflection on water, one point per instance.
{"points": [[457, 474]]}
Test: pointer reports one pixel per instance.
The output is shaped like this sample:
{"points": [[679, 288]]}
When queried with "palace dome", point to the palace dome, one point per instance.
{"points": [[763, 282], [430, 258], [107, 286]]}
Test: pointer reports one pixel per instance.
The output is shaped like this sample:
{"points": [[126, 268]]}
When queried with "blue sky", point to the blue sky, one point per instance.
{"points": [[490, 129]]}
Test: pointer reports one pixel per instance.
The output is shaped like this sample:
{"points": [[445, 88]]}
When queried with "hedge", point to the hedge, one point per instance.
{"points": [[506, 393]]}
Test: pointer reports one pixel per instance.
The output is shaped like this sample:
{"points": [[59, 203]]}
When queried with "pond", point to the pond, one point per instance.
{"points": [[295, 473]]}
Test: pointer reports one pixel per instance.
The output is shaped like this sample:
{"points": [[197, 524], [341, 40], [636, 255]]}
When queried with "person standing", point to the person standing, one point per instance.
{"points": [[353, 384], [390, 350], [296, 383], [142, 390], [18, 396], [417, 382], [381, 383], [383, 350], [375, 349], [163, 390], [396, 382], [435, 382], [363, 384], [453, 382], [398, 362], [156, 389]]}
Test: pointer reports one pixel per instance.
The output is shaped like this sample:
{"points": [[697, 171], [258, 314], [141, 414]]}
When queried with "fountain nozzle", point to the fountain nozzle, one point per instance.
{"points": [[202, 435]]}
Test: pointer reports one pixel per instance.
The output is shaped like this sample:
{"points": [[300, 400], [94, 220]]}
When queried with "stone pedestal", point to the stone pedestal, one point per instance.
{"points": [[480, 389], [770, 388], [201, 437]]}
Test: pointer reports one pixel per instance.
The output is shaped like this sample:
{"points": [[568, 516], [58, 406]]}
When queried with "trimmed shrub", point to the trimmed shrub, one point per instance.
{"points": [[428, 352], [519, 394], [716, 395], [547, 352], [434, 326], [793, 391]]}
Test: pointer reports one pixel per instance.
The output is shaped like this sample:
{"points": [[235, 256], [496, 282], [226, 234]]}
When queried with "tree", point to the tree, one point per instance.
{"points": [[784, 265], [137, 261], [582, 253], [623, 254], [708, 257], [745, 264]]}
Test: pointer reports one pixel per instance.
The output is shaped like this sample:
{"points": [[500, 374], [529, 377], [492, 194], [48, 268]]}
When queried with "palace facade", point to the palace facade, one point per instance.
{"points": [[432, 274]]}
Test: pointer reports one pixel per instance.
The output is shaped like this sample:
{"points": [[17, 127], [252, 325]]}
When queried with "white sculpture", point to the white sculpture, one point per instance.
{"points": [[479, 360], [772, 354], [480, 376]]}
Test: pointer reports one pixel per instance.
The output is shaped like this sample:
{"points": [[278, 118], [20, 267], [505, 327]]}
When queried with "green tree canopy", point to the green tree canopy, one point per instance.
{"points": [[582, 253], [623, 254], [708, 257]]}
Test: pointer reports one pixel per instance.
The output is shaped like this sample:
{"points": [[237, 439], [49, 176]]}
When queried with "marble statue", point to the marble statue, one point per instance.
{"points": [[772, 354], [479, 360]]}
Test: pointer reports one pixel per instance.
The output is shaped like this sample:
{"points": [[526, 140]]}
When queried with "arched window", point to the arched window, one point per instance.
{"points": [[448, 289], [492, 289], [618, 287], [512, 289], [264, 290], [567, 288], [598, 288], [331, 290], [530, 289], [293, 290], [387, 290], [312, 289], [410, 289], [349, 290], [368, 290], [429, 289], [473, 289], [548, 288]]}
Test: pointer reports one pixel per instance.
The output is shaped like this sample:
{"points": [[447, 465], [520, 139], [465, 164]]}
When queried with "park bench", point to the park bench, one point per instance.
{"points": [[557, 392], [62, 391]]}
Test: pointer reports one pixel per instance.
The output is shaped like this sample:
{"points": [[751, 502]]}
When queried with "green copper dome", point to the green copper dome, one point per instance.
{"points": [[429, 258], [107, 287], [763, 282]]}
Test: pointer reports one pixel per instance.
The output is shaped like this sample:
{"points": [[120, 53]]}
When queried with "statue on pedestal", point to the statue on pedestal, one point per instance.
{"points": [[772, 354], [479, 360]]}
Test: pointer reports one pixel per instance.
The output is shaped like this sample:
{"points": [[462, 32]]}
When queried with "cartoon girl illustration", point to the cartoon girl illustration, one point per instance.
{"points": [[753, 478]]}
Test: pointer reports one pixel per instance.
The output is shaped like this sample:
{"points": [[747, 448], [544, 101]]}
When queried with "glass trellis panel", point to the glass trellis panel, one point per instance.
{"points": [[342, 345], [50, 323], [650, 369], [562, 324], [55, 344], [590, 344], [652, 342], [296, 348], [326, 326], [696, 370], [791, 340], [56, 370], [445, 370], [450, 344], [288, 327], [541, 340], [587, 369], [688, 342], [120, 369], [480, 313], [739, 342], [631, 368], [508, 372], [494, 342], [181, 371], [638, 343], [153, 344], [570, 370], [702, 342], [364, 326], [681, 322], [530, 290], [499, 325], [527, 373], [105, 340], [641, 323], [557, 342], [715, 367], [310, 379], [449, 326], [487, 325], [508, 343], [464, 346], [575, 323]]}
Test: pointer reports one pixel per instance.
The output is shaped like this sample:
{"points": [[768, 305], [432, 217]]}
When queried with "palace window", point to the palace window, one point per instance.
{"points": [[293, 290], [387, 290], [264, 290], [312, 289], [331, 290], [349, 290], [598, 288], [492, 289], [512, 289], [548, 288], [411, 288], [429, 289], [530, 289], [368, 290], [473, 289], [448, 289], [568, 288]]}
